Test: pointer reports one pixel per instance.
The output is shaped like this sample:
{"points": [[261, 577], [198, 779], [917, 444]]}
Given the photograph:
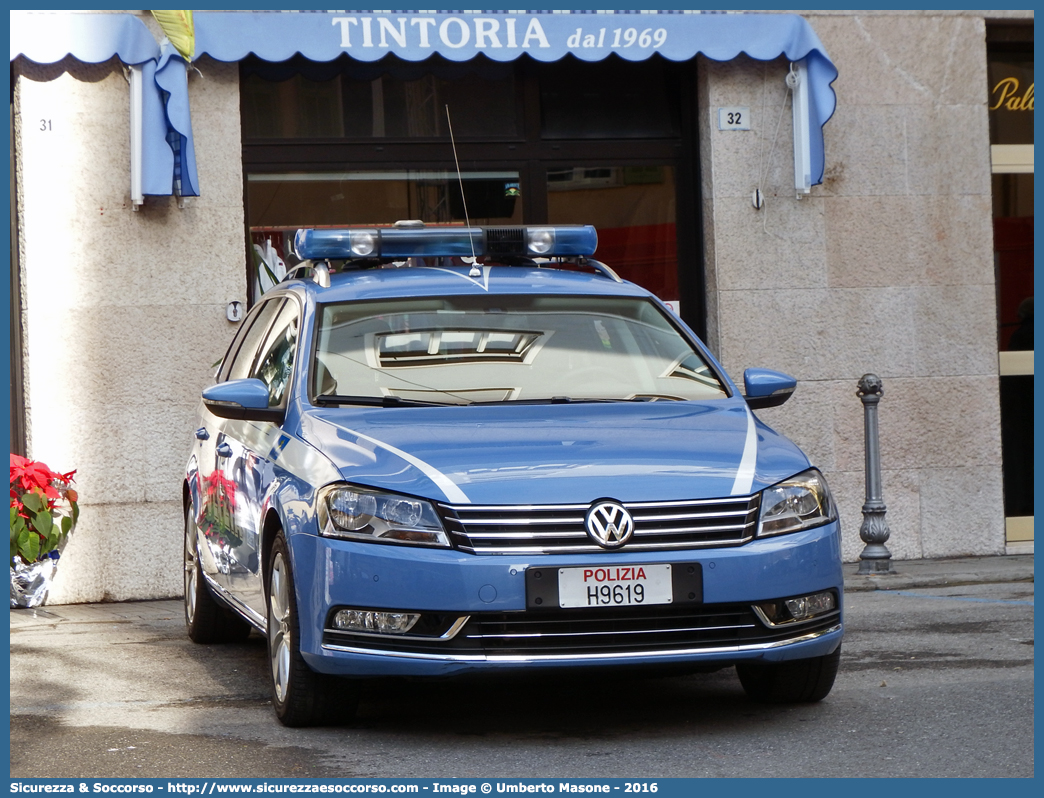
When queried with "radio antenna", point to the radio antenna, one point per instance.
{"points": [[475, 271]]}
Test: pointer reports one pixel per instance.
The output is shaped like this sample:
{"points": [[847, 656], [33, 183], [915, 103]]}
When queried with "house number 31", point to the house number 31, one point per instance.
{"points": [[45, 125]]}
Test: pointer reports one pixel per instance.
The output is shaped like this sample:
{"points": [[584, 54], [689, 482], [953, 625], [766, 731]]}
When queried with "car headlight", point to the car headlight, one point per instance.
{"points": [[801, 502], [347, 511]]}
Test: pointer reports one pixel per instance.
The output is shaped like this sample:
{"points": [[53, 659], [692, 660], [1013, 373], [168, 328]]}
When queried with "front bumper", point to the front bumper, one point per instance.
{"points": [[501, 634]]}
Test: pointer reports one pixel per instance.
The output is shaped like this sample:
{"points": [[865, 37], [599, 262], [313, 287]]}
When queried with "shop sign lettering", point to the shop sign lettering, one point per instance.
{"points": [[452, 32], [482, 33], [619, 38], [1008, 94]]}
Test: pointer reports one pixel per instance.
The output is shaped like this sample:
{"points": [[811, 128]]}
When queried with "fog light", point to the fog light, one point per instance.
{"points": [[383, 623], [802, 608], [808, 606]]}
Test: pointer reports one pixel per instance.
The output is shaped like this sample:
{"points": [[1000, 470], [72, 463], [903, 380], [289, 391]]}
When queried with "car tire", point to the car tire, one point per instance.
{"points": [[794, 682], [300, 696], [207, 620]]}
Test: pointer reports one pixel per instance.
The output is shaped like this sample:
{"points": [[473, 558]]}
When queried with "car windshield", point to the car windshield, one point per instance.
{"points": [[492, 349]]}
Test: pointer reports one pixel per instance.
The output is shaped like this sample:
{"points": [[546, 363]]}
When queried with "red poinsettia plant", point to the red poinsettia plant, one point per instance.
{"points": [[43, 509]]}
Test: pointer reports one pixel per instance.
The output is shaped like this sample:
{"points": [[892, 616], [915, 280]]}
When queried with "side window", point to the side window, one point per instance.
{"points": [[237, 343], [238, 361], [276, 361]]}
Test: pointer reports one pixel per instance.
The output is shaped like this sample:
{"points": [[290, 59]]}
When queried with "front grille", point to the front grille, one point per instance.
{"points": [[559, 529], [601, 632]]}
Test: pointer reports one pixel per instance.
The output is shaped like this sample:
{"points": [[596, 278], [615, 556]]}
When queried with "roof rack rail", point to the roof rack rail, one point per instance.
{"points": [[319, 270], [603, 270]]}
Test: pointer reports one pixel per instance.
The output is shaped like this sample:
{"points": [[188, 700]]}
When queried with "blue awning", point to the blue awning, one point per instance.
{"points": [[456, 36], [546, 36], [168, 157]]}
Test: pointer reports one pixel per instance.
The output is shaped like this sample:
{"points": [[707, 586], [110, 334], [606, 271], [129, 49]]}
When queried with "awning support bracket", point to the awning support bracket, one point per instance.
{"points": [[797, 80], [137, 124]]}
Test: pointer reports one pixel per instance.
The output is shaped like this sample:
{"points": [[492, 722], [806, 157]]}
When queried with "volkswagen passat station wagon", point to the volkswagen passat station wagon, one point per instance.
{"points": [[447, 450]]}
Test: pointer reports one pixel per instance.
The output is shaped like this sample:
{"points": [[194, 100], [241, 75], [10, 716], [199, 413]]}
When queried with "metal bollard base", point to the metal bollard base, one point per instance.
{"points": [[875, 567]]}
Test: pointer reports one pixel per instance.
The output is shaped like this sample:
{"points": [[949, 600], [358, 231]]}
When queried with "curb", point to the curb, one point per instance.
{"points": [[942, 573]]}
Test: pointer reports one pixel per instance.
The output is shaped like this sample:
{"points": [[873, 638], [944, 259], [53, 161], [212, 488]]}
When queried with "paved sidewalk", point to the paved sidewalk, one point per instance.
{"points": [[942, 572]]}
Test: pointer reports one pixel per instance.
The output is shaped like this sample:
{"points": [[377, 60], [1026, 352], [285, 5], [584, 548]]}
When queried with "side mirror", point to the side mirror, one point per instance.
{"points": [[767, 388], [246, 400]]}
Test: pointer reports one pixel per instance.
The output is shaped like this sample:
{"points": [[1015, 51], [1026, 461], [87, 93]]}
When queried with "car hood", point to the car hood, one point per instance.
{"points": [[564, 453]]}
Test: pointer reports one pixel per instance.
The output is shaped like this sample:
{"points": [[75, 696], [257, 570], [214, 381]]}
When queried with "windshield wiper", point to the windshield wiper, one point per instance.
{"points": [[398, 401], [376, 401], [563, 400]]}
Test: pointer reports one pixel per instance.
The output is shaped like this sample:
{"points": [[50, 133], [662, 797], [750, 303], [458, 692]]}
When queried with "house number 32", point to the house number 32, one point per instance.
{"points": [[734, 118]]}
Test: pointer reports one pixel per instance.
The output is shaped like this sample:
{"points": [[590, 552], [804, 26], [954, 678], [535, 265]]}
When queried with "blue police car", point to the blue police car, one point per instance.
{"points": [[440, 450]]}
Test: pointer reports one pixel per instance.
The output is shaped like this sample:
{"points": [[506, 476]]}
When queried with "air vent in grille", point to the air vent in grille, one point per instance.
{"points": [[505, 241], [546, 529], [609, 631], [598, 632]]}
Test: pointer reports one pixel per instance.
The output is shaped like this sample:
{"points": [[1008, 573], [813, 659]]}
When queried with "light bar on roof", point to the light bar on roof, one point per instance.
{"points": [[408, 242]]}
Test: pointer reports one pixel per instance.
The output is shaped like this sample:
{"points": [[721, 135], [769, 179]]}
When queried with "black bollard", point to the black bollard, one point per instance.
{"points": [[875, 558]]}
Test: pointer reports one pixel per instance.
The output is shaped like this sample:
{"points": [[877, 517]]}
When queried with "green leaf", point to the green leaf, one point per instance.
{"points": [[18, 529], [34, 502], [29, 546], [67, 523], [17, 525], [43, 522]]}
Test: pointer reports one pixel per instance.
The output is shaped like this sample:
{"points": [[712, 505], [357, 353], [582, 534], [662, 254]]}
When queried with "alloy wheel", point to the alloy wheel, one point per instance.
{"points": [[190, 568], [279, 642]]}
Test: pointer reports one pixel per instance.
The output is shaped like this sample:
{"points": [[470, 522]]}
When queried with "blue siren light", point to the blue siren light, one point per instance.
{"points": [[407, 242]]}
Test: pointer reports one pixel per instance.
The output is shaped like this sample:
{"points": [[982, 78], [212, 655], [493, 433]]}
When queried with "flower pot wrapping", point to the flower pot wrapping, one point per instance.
{"points": [[44, 511], [31, 582]]}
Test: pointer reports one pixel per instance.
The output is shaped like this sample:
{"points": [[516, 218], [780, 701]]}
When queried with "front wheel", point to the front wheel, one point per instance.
{"points": [[301, 696], [793, 682]]}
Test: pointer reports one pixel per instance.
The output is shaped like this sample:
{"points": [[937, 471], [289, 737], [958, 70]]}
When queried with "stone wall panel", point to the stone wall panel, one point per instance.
{"points": [[116, 552], [959, 511], [895, 276], [125, 313], [945, 240], [886, 267]]}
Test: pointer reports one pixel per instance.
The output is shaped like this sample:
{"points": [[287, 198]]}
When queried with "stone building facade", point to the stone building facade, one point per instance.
{"points": [[887, 266]]}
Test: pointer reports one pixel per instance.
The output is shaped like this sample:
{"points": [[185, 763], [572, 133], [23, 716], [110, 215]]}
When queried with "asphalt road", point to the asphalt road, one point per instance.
{"points": [[933, 682]]}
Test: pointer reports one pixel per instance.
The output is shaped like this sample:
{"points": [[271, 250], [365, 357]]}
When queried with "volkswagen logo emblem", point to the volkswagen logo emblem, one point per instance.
{"points": [[608, 524]]}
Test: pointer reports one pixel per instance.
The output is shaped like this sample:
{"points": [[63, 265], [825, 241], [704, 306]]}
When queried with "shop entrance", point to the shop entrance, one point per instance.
{"points": [[1010, 68], [608, 143]]}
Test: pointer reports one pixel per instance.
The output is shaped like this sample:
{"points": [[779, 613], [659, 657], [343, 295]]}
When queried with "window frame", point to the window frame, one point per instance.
{"points": [[240, 338], [695, 343], [268, 343], [531, 156]]}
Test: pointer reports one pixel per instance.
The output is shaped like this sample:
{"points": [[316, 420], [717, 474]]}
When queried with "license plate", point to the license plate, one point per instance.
{"points": [[615, 586]]}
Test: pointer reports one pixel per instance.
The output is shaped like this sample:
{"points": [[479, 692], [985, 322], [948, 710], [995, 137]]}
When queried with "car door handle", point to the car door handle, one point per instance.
{"points": [[202, 434], [224, 450]]}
